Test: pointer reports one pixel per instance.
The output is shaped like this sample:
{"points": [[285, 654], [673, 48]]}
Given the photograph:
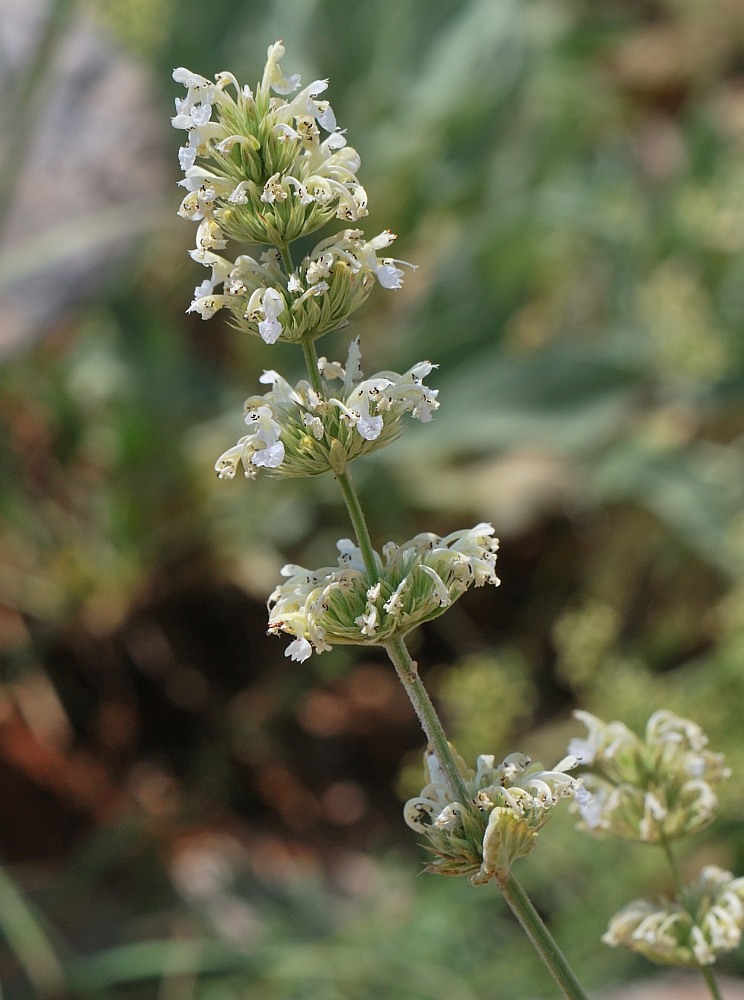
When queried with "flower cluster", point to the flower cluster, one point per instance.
{"points": [[273, 177], [692, 932], [415, 582], [508, 805], [332, 281], [296, 432], [257, 170], [654, 790]]}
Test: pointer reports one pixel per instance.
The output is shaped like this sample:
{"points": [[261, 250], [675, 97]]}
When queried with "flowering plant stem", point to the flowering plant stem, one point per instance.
{"points": [[427, 715], [707, 974], [541, 938], [311, 360], [356, 514], [518, 901]]}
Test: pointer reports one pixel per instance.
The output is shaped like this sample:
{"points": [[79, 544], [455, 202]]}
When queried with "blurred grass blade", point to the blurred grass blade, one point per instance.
{"points": [[26, 938], [151, 960], [27, 95]]}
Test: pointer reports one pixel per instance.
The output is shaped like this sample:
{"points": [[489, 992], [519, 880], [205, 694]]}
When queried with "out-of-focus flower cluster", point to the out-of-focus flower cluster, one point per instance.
{"points": [[654, 789], [416, 581], [296, 432], [258, 170], [507, 806], [689, 932]]}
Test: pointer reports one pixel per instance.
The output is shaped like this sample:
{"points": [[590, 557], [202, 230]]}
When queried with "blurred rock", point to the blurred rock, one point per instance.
{"points": [[92, 171]]}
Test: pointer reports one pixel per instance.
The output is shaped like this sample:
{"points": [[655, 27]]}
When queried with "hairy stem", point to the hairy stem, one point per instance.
{"points": [[539, 935], [427, 716], [308, 344], [678, 884], [286, 255], [541, 938], [707, 973], [407, 671], [359, 523], [311, 362]]}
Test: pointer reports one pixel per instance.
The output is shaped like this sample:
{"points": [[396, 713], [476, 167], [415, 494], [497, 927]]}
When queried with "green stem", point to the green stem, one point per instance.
{"points": [[541, 938], [678, 884], [26, 937], [286, 256], [427, 716], [343, 478], [407, 671], [308, 344], [360, 525], [707, 973], [311, 361], [704, 970]]}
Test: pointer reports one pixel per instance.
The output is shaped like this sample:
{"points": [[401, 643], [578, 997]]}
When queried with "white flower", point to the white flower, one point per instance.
{"points": [[273, 306], [389, 275], [273, 78], [261, 448], [270, 457], [186, 157], [209, 236], [273, 190], [299, 650], [204, 303], [368, 622]]}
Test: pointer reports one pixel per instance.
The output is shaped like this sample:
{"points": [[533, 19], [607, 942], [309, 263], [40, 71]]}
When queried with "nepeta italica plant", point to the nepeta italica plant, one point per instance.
{"points": [[266, 169]]}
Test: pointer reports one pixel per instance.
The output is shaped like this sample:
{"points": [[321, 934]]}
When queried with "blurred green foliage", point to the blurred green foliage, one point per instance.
{"points": [[190, 817]]}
